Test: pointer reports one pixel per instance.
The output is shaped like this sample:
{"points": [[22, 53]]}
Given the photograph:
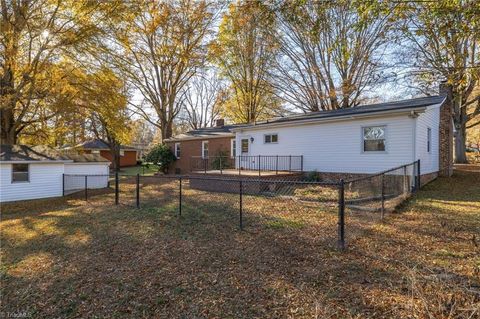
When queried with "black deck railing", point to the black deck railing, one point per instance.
{"points": [[259, 163]]}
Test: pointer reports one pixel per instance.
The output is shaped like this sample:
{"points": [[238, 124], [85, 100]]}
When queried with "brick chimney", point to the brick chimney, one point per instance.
{"points": [[219, 122], [446, 131]]}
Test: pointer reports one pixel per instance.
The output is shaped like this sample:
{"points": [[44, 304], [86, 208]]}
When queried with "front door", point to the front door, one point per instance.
{"points": [[244, 146], [244, 159]]}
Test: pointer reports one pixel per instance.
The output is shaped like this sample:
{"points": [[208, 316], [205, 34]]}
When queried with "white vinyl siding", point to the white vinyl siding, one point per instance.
{"points": [[338, 146], [429, 161], [45, 180]]}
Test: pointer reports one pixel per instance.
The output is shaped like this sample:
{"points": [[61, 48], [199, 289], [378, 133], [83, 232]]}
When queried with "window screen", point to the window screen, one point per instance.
{"points": [[271, 138], [20, 173], [205, 149], [374, 139], [177, 150]]}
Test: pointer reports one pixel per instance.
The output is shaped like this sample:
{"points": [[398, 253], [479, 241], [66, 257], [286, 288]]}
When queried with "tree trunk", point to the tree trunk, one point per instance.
{"points": [[8, 134], [115, 152], [167, 130], [460, 149]]}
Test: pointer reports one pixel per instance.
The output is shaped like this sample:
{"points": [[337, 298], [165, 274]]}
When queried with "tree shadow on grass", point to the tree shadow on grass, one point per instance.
{"points": [[150, 262]]}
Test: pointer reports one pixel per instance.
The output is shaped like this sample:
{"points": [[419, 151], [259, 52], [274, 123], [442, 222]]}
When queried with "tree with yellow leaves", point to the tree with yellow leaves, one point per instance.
{"points": [[35, 36], [244, 51]]}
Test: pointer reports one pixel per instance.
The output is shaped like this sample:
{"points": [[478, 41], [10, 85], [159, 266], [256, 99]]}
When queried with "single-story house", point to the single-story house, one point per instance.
{"points": [[190, 147], [31, 172], [128, 154], [340, 143], [361, 140]]}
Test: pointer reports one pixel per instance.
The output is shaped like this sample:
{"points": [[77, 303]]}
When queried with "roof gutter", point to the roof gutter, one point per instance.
{"points": [[37, 162], [172, 139], [416, 110]]}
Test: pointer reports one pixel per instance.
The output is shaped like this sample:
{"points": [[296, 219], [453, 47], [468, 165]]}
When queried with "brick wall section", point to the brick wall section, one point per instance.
{"points": [[230, 183], [189, 148], [446, 132], [128, 159]]}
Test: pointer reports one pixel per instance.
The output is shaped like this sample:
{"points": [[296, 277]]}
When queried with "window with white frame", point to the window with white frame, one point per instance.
{"points": [[244, 145], [20, 173], [122, 153], [233, 148], [205, 149], [429, 139], [270, 138], [374, 139], [177, 150]]}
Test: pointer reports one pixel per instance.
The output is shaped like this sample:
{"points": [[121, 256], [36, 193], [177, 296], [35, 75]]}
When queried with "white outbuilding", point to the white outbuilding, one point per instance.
{"points": [[31, 172]]}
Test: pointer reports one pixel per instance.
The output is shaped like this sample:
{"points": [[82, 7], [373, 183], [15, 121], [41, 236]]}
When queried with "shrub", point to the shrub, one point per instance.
{"points": [[221, 159], [312, 176], [162, 156]]}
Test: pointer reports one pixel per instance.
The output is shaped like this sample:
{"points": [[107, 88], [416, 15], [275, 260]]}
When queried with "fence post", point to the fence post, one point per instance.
{"points": [[418, 175], [341, 215], [301, 163], [276, 166], [241, 204], [405, 186], [205, 166], [86, 187], [180, 197], [138, 191], [259, 174], [116, 188], [221, 172], [290, 163], [63, 184], [383, 197]]}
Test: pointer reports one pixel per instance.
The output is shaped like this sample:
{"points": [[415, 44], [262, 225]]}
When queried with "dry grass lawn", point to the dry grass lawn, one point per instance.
{"points": [[67, 258]]}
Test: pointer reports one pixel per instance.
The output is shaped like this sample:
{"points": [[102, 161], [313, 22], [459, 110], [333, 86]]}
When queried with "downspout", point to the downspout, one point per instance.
{"points": [[414, 117]]}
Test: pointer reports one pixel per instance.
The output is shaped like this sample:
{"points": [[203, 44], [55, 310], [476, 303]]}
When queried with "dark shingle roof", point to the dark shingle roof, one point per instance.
{"points": [[207, 132], [13, 153], [363, 109], [99, 144]]}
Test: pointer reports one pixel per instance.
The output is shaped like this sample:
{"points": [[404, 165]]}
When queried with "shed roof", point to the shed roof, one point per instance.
{"points": [[41, 153], [359, 110], [99, 144]]}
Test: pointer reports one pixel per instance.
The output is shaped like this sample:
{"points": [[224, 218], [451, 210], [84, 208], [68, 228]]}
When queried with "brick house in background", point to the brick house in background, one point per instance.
{"points": [[128, 154], [203, 142]]}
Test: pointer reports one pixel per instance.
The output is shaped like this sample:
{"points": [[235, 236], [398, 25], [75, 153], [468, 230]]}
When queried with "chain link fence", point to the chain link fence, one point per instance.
{"points": [[367, 199], [330, 209]]}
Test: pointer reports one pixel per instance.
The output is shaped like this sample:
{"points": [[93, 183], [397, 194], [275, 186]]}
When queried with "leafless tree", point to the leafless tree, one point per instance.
{"points": [[162, 48], [442, 42], [332, 53], [202, 99]]}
